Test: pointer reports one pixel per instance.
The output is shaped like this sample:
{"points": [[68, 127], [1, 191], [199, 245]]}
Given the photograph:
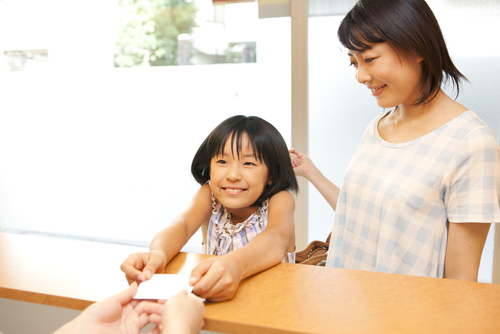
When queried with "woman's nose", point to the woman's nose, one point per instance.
{"points": [[362, 75]]}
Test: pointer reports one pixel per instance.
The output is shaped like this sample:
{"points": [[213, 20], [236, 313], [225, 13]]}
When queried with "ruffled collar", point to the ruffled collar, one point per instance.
{"points": [[223, 225]]}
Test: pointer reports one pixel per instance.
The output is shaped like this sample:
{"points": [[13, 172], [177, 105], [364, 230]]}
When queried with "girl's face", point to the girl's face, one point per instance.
{"points": [[392, 80], [238, 182]]}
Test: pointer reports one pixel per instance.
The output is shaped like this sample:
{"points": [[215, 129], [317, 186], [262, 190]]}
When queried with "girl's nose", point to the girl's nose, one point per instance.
{"points": [[233, 174]]}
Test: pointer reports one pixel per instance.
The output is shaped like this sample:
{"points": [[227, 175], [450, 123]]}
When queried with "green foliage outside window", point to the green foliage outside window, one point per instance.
{"points": [[148, 31]]}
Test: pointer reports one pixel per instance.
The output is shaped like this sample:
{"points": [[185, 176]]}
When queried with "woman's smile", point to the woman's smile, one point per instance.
{"points": [[376, 91]]}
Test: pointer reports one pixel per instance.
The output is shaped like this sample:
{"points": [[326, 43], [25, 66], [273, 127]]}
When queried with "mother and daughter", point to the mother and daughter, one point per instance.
{"points": [[417, 198]]}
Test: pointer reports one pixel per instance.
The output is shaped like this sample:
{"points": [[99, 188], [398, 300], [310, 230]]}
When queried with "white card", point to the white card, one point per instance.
{"points": [[163, 286]]}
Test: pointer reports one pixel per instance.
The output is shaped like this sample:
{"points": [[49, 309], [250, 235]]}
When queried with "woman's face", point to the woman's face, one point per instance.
{"points": [[392, 80]]}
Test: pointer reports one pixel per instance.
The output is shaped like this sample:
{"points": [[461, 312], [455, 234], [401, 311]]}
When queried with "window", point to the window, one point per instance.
{"points": [[94, 148]]}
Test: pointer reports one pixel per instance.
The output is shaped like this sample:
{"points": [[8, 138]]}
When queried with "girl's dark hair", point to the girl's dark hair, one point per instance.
{"points": [[410, 28], [268, 146]]}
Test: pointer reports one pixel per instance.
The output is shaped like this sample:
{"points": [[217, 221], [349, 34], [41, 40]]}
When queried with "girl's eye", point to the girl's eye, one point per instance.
{"points": [[221, 161], [352, 64], [369, 60], [249, 164]]}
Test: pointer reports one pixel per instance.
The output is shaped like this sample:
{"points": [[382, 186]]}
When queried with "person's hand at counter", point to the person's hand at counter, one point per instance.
{"points": [[216, 279], [140, 267], [116, 314], [181, 314]]}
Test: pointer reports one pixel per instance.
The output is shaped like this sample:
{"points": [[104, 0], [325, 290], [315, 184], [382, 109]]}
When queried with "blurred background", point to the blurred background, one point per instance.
{"points": [[104, 103]]}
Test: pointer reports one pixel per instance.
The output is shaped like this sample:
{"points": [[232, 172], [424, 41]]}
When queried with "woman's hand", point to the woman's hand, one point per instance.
{"points": [[216, 279], [302, 165], [139, 267]]}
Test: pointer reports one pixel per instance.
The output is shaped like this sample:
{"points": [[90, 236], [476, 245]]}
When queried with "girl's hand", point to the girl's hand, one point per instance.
{"points": [[216, 279], [302, 165], [139, 267]]}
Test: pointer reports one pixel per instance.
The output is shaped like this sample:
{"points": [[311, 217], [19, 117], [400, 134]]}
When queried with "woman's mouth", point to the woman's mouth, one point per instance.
{"points": [[377, 90]]}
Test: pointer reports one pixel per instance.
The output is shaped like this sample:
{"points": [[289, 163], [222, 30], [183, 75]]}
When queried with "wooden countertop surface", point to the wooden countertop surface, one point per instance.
{"points": [[287, 298]]}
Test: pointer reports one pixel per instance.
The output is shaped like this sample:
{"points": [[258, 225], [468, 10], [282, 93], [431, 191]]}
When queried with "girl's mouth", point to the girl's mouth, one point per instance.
{"points": [[234, 191]]}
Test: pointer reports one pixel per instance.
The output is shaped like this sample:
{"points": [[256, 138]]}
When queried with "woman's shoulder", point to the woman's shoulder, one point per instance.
{"points": [[469, 124]]}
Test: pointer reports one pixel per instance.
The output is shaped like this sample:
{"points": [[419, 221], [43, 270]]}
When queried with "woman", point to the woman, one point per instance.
{"points": [[423, 187]]}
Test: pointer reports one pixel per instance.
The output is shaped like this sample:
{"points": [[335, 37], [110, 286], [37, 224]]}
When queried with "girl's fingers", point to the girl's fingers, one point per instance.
{"points": [[206, 283], [132, 267], [217, 292], [198, 271], [155, 261]]}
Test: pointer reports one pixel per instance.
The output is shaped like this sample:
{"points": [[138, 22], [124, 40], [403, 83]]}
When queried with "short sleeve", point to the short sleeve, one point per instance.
{"points": [[471, 184]]}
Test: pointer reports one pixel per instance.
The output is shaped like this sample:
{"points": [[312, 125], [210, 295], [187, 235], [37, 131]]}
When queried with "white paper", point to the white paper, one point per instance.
{"points": [[163, 286]]}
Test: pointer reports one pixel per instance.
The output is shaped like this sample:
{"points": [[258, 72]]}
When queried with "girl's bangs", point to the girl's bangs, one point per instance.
{"points": [[237, 141]]}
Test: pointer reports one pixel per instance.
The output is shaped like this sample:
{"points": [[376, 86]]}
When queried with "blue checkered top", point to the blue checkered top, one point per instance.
{"points": [[396, 200]]}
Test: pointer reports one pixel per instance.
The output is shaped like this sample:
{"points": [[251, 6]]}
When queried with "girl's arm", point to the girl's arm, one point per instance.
{"points": [[303, 166], [464, 249], [169, 241], [217, 279]]}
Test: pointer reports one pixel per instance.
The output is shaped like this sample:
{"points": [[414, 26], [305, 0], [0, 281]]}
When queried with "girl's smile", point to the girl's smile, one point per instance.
{"points": [[234, 191]]}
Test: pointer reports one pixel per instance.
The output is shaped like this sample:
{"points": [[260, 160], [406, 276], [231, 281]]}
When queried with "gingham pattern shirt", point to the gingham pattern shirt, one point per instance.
{"points": [[223, 237], [397, 200]]}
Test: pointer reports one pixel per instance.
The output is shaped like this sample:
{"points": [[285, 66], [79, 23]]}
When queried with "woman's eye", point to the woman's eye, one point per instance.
{"points": [[369, 60], [353, 64]]}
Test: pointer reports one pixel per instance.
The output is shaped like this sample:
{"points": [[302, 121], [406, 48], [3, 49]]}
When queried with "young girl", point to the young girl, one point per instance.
{"points": [[424, 184], [243, 206]]}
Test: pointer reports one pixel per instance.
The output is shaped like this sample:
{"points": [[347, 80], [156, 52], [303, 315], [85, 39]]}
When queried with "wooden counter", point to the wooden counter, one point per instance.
{"points": [[285, 299]]}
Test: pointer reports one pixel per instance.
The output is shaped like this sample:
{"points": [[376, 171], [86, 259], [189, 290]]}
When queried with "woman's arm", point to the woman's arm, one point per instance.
{"points": [[303, 166], [464, 249], [169, 241], [217, 279]]}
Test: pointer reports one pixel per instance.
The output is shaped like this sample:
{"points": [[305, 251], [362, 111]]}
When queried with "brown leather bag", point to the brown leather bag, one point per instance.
{"points": [[315, 253]]}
